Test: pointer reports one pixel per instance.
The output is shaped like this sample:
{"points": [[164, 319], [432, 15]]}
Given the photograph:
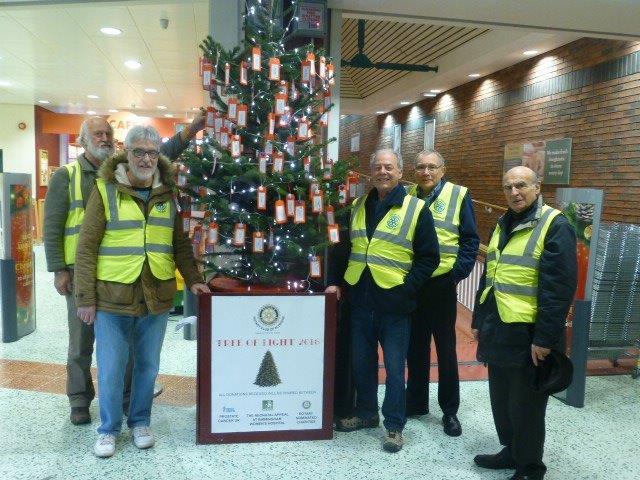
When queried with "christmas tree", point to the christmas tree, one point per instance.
{"points": [[268, 373], [266, 198]]}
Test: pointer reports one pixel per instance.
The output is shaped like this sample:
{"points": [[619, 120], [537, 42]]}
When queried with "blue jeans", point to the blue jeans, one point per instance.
{"points": [[113, 334], [369, 327]]}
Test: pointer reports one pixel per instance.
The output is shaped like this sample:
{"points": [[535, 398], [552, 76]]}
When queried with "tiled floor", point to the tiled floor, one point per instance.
{"points": [[599, 442]]}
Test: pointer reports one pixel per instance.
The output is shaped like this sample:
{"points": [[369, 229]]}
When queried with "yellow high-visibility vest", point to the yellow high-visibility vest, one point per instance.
{"points": [[513, 273], [389, 253], [445, 210], [75, 214], [129, 239]]}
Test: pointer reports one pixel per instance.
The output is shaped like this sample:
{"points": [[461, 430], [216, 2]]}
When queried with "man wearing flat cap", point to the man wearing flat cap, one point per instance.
{"points": [[522, 303]]}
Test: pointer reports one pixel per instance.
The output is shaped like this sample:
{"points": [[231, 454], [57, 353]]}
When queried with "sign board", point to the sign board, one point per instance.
{"points": [[265, 367], [550, 159], [312, 19]]}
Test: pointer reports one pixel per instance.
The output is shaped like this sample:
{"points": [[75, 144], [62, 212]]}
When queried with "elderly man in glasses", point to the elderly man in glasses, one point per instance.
{"points": [[130, 244]]}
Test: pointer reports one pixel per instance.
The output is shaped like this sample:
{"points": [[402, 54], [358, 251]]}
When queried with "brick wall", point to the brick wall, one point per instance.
{"points": [[588, 90]]}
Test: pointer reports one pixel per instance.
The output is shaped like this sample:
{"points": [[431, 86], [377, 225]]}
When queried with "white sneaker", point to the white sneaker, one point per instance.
{"points": [[105, 445], [143, 437]]}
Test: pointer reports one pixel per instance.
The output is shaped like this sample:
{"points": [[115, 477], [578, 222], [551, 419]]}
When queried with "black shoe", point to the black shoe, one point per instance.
{"points": [[80, 415], [500, 461], [451, 425], [527, 476]]}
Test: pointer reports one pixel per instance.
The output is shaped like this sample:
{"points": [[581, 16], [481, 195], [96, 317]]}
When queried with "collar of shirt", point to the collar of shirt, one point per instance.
{"points": [[430, 197], [394, 197]]}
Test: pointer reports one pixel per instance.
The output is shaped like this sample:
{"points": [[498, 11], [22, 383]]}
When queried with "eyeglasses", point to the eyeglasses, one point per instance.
{"points": [[520, 186], [429, 167], [140, 153]]}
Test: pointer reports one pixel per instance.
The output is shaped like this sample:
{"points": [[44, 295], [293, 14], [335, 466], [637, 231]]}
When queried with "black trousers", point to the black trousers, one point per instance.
{"points": [[435, 315], [518, 413]]}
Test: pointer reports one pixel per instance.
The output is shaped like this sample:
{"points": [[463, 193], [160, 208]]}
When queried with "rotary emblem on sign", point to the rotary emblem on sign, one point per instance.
{"points": [[161, 206], [394, 221], [268, 318], [439, 206]]}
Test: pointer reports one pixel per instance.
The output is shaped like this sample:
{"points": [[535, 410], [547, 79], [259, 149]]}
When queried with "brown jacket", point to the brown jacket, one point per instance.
{"points": [[147, 293]]}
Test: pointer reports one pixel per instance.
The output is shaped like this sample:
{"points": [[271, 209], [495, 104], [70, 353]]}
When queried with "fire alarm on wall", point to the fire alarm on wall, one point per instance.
{"points": [[22, 125]]}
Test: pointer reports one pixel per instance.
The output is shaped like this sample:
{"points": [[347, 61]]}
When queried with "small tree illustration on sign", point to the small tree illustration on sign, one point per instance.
{"points": [[268, 373]]}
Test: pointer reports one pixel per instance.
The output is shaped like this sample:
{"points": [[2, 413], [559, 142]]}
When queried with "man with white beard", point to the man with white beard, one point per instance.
{"points": [[67, 197]]}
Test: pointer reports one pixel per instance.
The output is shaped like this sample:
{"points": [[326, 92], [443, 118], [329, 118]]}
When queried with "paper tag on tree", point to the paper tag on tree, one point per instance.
{"points": [[283, 87], [303, 130], [291, 146], [227, 74], [212, 234], [256, 59], [281, 214], [311, 58], [313, 188], [314, 267], [330, 74], [242, 115], [333, 233], [285, 119], [307, 164], [300, 213], [291, 204], [217, 122], [232, 112], [211, 115], [274, 69], [278, 162], [239, 234], [244, 77], [281, 104], [207, 75], [317, 203], [272, 123], [262, 197], [331, 219], [322, 68], [263, 158], [258, 242], [224, 137], [342, 195], [306, 72], [235, 146], [268, 146]]}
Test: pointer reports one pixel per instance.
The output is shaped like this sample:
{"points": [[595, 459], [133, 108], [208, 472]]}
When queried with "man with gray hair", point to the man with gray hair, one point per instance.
{"points": [[130, 245], [392, 250], [64, 208], [435, 316]]}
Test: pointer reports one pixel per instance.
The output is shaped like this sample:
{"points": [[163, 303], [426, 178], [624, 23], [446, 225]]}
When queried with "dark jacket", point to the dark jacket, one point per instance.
{"points": [[469, 240], [400, 299], [147, 293], [509, 344], [56, 204]]}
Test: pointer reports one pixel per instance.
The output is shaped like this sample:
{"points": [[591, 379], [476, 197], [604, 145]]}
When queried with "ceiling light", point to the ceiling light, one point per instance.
{"points": [[90, 112], [195, 108], [5, 83], [379, 112], [474, 75], [151, 90], [111, 31], [428, 94], [44, 102], [168, 115], [92, 96], [404, 102], [435, 91], [530, 52], [113, 110], [162, 107], [132, 64]]}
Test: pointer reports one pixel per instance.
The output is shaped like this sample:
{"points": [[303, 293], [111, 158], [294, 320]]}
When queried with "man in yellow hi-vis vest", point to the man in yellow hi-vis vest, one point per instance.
{"points": [[521, 307], [131, 242], [435, 316], [67, 196], [392, 250]]}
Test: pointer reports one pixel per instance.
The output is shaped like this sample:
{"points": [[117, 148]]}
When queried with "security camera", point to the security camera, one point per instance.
{"points": [[164, 21]]}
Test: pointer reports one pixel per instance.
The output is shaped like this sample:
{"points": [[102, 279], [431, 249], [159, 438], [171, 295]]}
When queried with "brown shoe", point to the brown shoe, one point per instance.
{"points": [[393, 442], [351, 424], [80, 415]]}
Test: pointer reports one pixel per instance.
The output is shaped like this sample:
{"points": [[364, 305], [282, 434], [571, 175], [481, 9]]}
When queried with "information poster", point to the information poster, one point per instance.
{"points": [[267, 363], [550, 159], [21, 253]]}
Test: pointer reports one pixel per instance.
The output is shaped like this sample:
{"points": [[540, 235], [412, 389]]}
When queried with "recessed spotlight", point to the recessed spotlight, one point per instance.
{"points": [[113, 110], [44, 102], [132, 64], [162, 107], [474, 75], [5, 83], [90, 112], [435, 91], [429, 94], [168, 115], [380, 112], [92, 96], [195, 108], [111, 31], [151, 90], [530, 52], [404, 102]]}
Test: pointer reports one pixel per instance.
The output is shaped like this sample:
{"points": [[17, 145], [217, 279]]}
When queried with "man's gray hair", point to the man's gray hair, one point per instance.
{"points": [[429, 151], [142, 132], [383, 151], [83, 137]]}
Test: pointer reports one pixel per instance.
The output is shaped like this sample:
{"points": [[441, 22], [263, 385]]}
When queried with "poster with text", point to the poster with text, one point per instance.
{"points": [[267, 363], [550, 159]]}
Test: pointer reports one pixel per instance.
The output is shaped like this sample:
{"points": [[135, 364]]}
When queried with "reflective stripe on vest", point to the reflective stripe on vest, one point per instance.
{"points": [[75, 215], [389, 253], [445, 210], [129, 239], [513, 273]]}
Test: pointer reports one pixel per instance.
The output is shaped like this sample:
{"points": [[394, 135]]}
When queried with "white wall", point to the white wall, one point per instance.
{"points": [[18, 146]]}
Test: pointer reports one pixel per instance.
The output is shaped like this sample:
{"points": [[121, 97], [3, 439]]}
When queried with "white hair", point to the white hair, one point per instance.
{"points": [[386, 151], [428, 152], [142, 132]]}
